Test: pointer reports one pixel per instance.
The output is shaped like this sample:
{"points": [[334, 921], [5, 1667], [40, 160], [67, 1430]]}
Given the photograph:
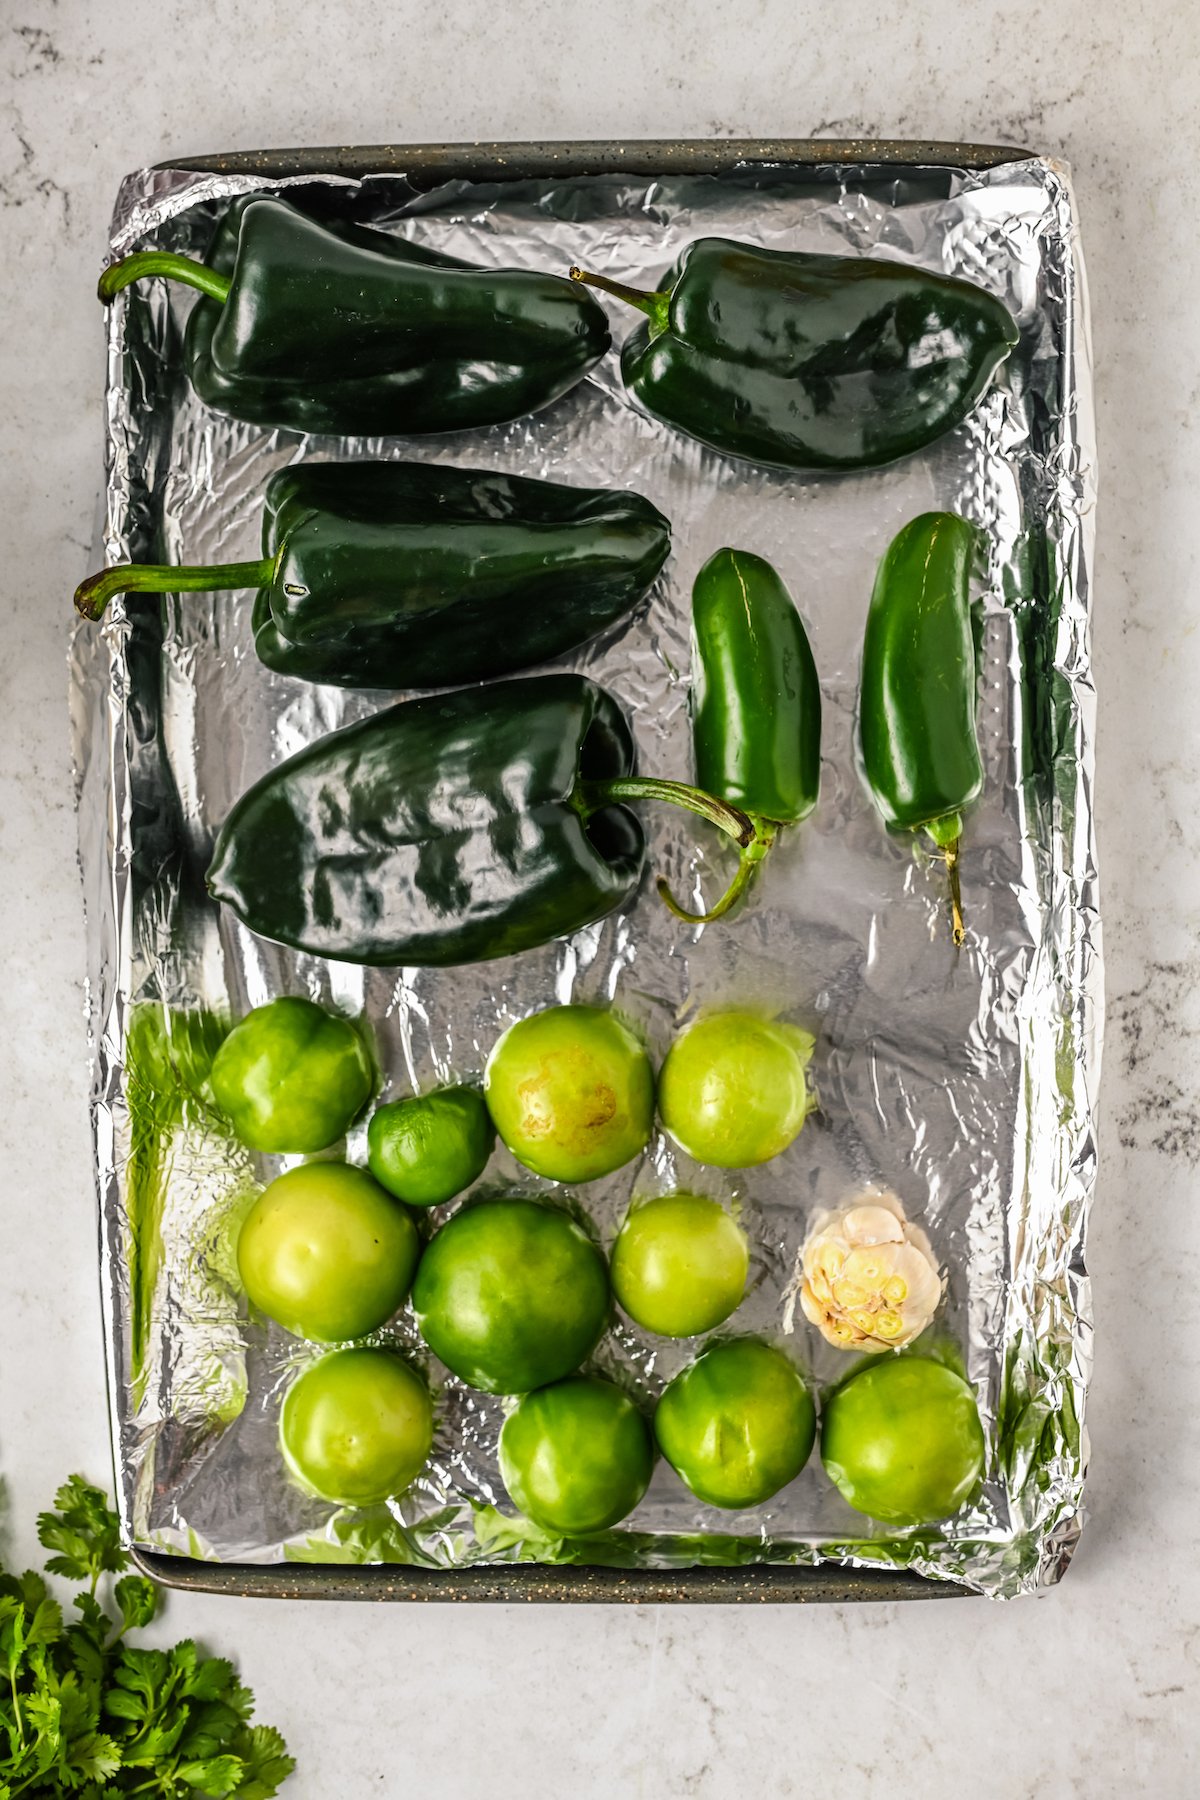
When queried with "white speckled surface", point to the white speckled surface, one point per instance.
{"points": [[1091, 1692]]}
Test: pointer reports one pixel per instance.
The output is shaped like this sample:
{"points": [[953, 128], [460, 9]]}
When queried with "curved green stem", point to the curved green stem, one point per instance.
{"points": [[752, 855], [164, 263], [655, 306], [94, 594], [590, 796]]}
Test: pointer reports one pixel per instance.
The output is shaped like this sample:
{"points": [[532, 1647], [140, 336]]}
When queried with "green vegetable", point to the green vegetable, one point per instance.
{"points": [[427, 1148], [679, 1264], [756, 707], [342, 328], [571, 1090], [357, 1426], [452, 829], [576, 1456], [920, 676], [404, 575], [511, 1294], [738, 1424], [291, 1077], [902, 1441], [732, 1091], [326, 1253], [809, 362], [177, 1142], [83, 1711]]}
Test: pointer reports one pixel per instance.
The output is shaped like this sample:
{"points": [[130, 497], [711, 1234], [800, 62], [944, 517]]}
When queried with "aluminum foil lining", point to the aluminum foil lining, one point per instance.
{"points": [[965, 1083]]}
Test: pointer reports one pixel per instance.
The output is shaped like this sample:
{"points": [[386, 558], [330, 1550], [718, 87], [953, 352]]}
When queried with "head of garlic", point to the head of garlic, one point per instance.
{"points": [[868, 1279]]}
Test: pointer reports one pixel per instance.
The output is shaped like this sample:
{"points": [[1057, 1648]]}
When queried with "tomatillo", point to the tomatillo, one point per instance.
{"points": [[732, 1091], [902, 1441], [427, 1148], [291, 1077], [357, 1426], [511, 1294], [572, 1092], [577, 1456], [738, 1424], [679, 1264], [326, 1253]]}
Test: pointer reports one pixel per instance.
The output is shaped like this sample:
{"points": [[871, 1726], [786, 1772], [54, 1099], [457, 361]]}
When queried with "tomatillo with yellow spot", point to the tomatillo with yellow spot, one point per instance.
{"points": [[571, 1091]]}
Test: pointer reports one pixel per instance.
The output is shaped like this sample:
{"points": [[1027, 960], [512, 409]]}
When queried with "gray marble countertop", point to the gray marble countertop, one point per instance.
{"points": [[1091, 1691]]}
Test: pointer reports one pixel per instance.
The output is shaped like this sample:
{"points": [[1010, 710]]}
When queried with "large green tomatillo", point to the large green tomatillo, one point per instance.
{"points": [[511, 1294], [326, 1253], [292, 1077], [576, 1456], [572, 1092], [738, 1424], [902, 1441]]}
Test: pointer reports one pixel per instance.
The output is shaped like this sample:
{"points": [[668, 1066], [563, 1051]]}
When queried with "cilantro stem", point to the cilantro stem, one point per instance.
{"points": [[12, 1682]]}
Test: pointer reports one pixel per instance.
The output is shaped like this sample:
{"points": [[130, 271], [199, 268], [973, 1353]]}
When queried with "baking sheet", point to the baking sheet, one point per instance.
{"points": [[967, 1084]]}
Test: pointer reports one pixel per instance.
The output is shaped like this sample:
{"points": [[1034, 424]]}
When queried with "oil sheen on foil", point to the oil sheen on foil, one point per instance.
{"points": [[966, 1083]]}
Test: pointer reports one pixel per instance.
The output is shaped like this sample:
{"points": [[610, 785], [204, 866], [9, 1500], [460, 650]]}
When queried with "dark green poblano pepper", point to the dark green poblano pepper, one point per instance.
{"points": [[756, 706], [810, 362], [344, 328], [450, 829], [920, 676], [406, 575]]}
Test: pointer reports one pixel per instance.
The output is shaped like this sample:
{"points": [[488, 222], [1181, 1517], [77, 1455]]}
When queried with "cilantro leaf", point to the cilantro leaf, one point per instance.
{"points": [[83, 1532], [84, 1713]]}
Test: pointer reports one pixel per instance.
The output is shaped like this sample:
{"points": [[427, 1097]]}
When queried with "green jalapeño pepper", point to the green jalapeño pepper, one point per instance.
{"points": [[756, 706], [809, 362], [451, 829], [402, 575], [343, 328], [920, 674]]}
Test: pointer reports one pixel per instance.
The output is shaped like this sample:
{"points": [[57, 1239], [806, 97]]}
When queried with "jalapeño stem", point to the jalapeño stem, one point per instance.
{"points": [[94, 594], [164, 263], [946, 833], [958, 930]]}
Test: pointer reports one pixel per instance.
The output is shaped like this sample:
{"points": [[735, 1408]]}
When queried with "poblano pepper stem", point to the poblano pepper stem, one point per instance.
{"points": [[170, 267], [654, 305], [593, 796], [752, 855], [93, 595]]}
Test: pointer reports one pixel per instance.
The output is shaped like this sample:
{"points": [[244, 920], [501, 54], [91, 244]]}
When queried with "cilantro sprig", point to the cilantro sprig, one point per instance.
{"points": [[86, 1713]]}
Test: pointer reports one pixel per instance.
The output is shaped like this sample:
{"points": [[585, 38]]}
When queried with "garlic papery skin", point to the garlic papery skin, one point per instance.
{"points": [[869, 1279]]}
